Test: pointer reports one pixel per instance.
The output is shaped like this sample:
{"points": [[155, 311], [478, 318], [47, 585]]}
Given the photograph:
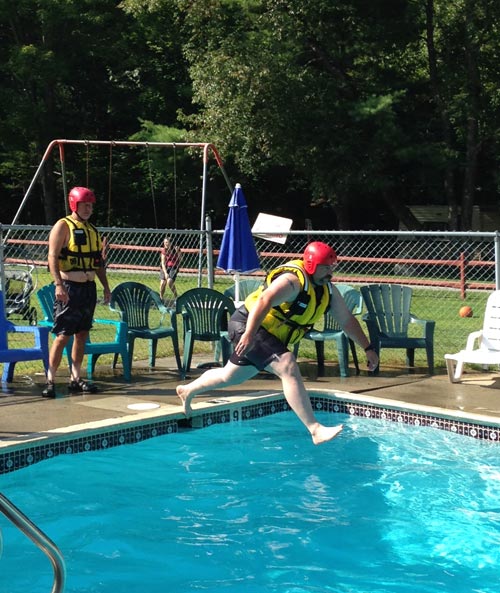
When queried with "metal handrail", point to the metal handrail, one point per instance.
{"points": [[44, 543]]}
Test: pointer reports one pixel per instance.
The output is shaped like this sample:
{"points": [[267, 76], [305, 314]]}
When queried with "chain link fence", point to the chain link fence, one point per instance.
{"points": [[445, 270]]}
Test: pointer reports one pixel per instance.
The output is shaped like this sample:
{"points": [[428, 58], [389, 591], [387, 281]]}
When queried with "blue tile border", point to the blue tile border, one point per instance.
{"points": [[463, 427], [324, 403], [15, 458]]}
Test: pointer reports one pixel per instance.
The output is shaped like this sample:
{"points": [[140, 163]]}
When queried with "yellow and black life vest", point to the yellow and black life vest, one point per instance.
{"points": [[290, 321], [84, 249]]}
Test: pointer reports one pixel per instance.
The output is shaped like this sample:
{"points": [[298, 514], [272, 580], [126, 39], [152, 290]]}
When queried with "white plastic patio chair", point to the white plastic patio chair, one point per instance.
{"points": [[483, 346]]}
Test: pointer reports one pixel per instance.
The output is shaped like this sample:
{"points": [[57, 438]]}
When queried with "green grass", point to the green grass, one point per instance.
{"points": [[438, 304]]}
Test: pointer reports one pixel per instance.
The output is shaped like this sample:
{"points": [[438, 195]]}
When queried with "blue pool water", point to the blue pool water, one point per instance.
{"points": [[256, 508]]}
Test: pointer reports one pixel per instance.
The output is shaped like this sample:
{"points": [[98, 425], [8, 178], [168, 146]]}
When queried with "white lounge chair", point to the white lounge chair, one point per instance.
{"points": [[483, 346]]}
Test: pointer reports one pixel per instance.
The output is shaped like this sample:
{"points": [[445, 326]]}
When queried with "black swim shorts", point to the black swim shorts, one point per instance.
{"points": [[265, 347], [77, 313], [172, 273]]}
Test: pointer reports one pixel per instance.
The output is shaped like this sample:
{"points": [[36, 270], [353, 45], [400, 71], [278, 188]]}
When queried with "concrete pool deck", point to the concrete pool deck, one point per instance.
{"points": [[25, 416]]}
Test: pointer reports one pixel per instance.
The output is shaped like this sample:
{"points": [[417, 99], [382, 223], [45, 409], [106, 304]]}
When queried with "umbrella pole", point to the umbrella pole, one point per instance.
{"points": [[237, 287]]}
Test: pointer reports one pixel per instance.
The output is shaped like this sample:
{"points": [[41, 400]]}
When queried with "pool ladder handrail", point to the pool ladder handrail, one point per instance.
{"points": [[44, 543]]}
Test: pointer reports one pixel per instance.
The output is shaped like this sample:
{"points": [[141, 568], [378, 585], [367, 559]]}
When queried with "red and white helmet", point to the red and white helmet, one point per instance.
{"points": [[80, 194], [318, 254]]}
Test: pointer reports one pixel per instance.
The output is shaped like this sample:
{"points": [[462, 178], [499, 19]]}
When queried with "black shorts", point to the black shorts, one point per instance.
{"points": [[171, 273], [77, 313], [265, 347]]}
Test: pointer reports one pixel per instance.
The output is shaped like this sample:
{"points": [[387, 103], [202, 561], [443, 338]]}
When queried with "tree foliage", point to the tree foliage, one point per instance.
{"points": [[346, 112]]}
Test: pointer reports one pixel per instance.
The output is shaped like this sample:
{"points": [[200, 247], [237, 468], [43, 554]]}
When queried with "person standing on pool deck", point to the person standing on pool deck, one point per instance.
{"points": [[293, 297], [75, 259]]}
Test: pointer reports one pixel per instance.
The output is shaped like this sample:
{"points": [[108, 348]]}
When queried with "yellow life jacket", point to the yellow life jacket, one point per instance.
{"points": [[290, 321], [84, 249]]}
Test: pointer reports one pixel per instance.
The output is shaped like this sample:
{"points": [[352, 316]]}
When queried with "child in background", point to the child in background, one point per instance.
{"points": [[170, 260]]}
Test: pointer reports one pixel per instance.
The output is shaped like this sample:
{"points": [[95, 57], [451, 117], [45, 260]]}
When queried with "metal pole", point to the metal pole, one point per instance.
{"points": [[63, 175], [2, 263], [202, 214], [38, 537], [203, 230], [210, 254], [33, 181], [221, 167], [497, 260]]}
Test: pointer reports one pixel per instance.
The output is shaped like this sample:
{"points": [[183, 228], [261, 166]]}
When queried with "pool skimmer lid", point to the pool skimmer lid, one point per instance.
{"points": [[143, 406]]}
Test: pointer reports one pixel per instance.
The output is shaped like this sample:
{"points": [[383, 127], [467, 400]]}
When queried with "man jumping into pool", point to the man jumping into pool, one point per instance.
{"points": [[291, 299]]}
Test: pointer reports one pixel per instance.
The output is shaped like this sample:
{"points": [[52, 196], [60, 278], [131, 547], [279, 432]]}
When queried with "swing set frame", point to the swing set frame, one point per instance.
{"points": [[207, 150]]}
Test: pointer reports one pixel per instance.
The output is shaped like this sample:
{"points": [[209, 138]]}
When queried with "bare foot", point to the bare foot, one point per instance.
{"points": [[323, 434], [185, 399]]}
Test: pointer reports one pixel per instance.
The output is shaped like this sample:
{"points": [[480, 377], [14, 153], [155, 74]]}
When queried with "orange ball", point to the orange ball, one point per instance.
{"points": [[466, 311]]}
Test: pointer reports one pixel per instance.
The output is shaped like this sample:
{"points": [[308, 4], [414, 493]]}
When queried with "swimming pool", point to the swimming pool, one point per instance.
{"points": [[255, 507]]}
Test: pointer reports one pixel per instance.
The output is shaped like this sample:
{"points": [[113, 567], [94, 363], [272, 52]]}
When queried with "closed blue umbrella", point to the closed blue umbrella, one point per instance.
{"points": [[237, 253]]}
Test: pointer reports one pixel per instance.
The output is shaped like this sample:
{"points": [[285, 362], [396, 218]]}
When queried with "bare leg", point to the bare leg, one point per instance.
{"points": [[55, 356], [294, 390], [227, 376], [77, 353], [171, 285], [163, 284], [287, 370]]}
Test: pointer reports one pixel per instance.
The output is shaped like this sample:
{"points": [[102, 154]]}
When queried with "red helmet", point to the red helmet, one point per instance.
{"points": [[317, 254], [80, 194]]}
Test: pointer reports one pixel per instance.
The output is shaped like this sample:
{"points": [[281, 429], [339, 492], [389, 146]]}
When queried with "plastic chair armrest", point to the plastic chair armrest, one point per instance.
{"points": [[164, 311], [427, 325], [108, 321], [173, 318], [472, 337], [25, 329], [39, 332], [116, 310], [121, 327], [373, 328]]}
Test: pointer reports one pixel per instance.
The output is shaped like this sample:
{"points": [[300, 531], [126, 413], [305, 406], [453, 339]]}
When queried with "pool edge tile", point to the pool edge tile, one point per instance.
{"points": [[134, 428]]}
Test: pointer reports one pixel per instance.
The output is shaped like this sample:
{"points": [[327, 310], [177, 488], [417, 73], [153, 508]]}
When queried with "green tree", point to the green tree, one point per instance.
{"points": [[306, 85], [366, 102], [462, 49], [359, 108], [82, 69]]}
